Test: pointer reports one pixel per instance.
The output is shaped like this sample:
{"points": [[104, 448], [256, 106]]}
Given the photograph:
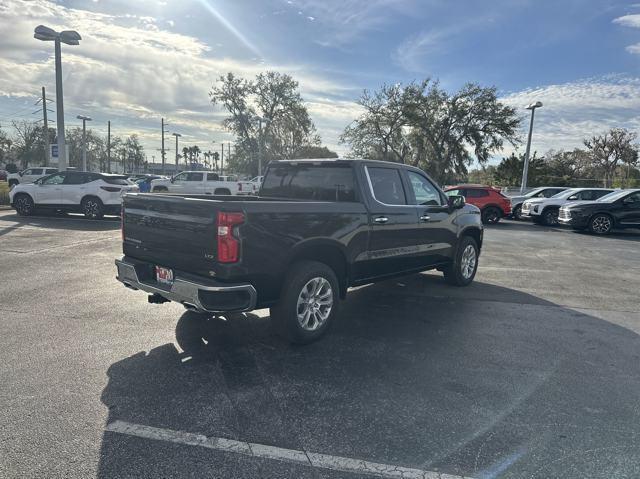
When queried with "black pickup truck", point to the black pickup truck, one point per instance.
{"points": [[316, 228]]}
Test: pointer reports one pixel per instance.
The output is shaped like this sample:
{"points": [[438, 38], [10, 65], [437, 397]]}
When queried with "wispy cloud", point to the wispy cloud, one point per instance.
{"points": [[133, 71], [632, 21], [348, 20], [575, 110]]}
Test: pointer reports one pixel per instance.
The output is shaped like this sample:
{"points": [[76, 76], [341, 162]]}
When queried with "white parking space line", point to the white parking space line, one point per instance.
{"points": [[311, 459]]}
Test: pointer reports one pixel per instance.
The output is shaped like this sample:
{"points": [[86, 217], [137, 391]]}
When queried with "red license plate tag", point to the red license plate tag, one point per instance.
{"points": [[164, 275]]}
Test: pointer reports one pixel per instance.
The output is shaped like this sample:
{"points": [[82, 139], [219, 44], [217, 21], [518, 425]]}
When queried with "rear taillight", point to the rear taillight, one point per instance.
{"points": [[228, 243], [110, 189]]}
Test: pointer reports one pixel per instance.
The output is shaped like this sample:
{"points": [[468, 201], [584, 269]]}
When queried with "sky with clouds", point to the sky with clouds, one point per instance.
{"points": [[143, 60]]}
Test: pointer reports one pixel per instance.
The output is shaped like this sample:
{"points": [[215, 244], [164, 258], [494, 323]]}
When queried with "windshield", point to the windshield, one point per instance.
{"points": [[613, 196], [566, 193]]}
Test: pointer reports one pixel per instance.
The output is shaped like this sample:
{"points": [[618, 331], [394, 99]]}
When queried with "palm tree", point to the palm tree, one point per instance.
{"points": [[185, 155]]}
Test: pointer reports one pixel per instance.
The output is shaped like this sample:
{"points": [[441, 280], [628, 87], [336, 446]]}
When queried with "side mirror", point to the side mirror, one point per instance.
{"points": [[21, 173], [172, 179], [456, 202]]}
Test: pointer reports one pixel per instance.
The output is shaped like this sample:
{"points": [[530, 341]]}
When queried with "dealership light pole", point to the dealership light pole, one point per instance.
{"points": [[84, 119], [525, 169], [70, 37], [260, 143], [177, 135]]}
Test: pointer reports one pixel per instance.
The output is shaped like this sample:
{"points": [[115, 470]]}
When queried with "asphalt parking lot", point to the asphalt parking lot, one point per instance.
{"points": [[531, 372]]}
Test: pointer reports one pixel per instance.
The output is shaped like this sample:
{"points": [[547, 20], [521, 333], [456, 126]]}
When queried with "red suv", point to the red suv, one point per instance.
{"points": [[493, 204]]}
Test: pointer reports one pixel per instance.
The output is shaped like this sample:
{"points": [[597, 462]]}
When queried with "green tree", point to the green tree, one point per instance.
{"points": [[425, 126], [271, 100], [612, 149], [313, 151]]}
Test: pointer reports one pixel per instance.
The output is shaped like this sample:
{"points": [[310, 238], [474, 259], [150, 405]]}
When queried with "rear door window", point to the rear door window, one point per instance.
{"points": [[387, 186], [116, 180], [213, 177], [310, 182], [476, 193]]}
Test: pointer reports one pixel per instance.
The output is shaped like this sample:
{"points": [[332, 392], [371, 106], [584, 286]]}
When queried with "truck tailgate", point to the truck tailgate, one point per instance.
{"points": [[172, 231]]}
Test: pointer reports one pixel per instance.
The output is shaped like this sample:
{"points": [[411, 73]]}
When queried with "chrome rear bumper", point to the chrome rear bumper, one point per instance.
{"points": [[207, 296]]}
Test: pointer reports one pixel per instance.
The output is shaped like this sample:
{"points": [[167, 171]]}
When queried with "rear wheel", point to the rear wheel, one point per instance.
{"points": [[491, 215], [601, 224], [465, 264], [550, 216], [308, 304], [23, 204], [92, 208]]}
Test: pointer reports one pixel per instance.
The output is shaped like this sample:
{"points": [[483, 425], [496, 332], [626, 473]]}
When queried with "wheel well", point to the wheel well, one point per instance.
{"points": [[23, 194], [492, 205], [613, 219], [86, 197], [475, 234], [222, 191], [332, 256]]}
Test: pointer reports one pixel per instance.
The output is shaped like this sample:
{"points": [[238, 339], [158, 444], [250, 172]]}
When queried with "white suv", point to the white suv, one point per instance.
{"points": [[94, 194], [29, 175], [545, 210]]}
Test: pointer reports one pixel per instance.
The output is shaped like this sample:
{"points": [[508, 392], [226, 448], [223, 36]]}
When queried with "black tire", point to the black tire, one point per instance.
{"points": [[92, 208], [550, 216], [222, 191], [458, 272], [516, 214], [491, 215], [303, 277], [601, 224], [24, 205]]}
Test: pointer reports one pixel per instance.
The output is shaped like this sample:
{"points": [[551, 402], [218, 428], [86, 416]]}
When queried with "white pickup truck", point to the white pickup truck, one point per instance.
{"points": [[202, 183]]}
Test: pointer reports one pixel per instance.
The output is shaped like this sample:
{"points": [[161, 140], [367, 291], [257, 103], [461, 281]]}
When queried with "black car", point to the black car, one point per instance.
{"points": [[317, 228], [620, 209]]}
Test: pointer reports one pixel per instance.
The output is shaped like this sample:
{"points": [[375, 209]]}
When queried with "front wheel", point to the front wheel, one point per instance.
{"points": [[465, 264], [92, 208], [24, 205], [309, 302], [517, 213], [601, 224], [491, 215], [550, 216]]}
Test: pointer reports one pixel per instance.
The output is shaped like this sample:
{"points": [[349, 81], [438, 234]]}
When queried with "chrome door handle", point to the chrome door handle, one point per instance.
{"points": [[425, 218], [381, 219]]}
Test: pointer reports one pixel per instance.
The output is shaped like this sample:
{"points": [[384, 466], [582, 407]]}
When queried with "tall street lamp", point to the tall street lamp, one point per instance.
{"points": [[70, 37], [261, 142], [84, 119], [525, 169], [177, 135]]}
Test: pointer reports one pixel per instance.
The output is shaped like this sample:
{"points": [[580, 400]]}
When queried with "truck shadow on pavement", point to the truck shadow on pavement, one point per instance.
{"points": [[55, 221], [482, 381]]}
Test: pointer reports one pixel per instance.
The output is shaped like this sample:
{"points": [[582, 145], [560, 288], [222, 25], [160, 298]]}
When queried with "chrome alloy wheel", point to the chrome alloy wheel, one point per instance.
{"points": [[314, 303], [601, 224], [91, 208], [23, 205], [468, 262]]}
